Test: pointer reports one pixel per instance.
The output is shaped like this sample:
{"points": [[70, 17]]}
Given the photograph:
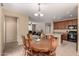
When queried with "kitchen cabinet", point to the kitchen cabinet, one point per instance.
{"points": [[64, 36], [64, 24]]}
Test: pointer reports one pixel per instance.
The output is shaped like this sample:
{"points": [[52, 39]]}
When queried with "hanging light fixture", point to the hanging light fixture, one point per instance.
{"points": [[39, 11]]}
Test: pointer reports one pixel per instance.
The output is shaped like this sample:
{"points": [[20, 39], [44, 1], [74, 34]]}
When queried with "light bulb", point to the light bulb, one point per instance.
{"points": [[36, 14], [41, 14]]}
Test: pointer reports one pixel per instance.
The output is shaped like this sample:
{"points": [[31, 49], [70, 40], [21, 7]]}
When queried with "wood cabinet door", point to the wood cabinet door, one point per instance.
{"points": [[64, 24], [74, 22], [70, 22], [58, 25]]}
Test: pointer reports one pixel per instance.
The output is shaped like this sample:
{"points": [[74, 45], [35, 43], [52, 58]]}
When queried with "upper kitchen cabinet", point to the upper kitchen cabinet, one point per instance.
{"points": [[64, 24], [74, 22]]}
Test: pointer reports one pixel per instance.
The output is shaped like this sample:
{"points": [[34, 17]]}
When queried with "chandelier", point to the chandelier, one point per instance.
{"points": [[39, 11]]}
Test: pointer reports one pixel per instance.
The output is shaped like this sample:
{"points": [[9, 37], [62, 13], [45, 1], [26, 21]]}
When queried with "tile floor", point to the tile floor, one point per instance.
{"points": [[66, 49]]}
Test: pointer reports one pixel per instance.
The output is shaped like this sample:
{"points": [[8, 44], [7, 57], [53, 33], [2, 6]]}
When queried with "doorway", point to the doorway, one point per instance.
{"points": [[48, 28], [10, 31]]}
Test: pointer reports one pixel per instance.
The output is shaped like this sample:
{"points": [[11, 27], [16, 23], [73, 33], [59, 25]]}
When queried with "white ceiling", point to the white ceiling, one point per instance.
{"points": [[51, 11]]}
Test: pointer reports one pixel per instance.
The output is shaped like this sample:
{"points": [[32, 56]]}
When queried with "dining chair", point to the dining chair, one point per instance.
{"points": [[52, 52], [27, 50], [33, 51], [53, 46]]}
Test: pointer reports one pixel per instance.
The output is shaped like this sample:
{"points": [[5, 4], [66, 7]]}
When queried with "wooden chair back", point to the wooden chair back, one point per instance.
{"points": [[53, 44], [25, 42]]}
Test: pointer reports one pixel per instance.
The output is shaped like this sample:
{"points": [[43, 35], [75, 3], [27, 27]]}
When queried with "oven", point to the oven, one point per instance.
{"points": [[72, 36]]}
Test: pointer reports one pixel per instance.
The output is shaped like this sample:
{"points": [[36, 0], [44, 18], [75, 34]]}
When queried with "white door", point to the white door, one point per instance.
{"points": [[48, 28], [10, 29]]}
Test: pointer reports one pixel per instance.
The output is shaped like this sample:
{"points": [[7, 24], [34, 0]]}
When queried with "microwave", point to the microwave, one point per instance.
{"points": [[72, 27]]}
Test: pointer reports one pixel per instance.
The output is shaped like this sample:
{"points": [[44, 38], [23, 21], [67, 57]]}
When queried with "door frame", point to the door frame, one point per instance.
{"points": [[49, 26], [5, 28]]}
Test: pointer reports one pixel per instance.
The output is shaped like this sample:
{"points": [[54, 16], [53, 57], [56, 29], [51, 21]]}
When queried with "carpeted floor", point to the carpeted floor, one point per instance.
{"points": [[66, 49]]}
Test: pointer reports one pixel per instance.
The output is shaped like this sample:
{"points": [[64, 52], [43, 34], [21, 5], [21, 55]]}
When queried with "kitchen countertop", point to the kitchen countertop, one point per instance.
{"points": [[58, 35]]}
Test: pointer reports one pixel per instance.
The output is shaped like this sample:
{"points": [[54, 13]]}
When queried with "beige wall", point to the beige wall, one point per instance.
{"points": [[11, 29], [22, 26], [40, 26], [1, 30], [78, 28]]}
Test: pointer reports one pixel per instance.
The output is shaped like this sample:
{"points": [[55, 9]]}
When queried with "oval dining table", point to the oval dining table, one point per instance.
{"points": [[44, 45]]}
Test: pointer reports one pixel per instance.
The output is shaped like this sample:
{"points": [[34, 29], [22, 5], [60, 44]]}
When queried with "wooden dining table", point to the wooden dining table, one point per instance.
{"points": [[44, 45]]}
